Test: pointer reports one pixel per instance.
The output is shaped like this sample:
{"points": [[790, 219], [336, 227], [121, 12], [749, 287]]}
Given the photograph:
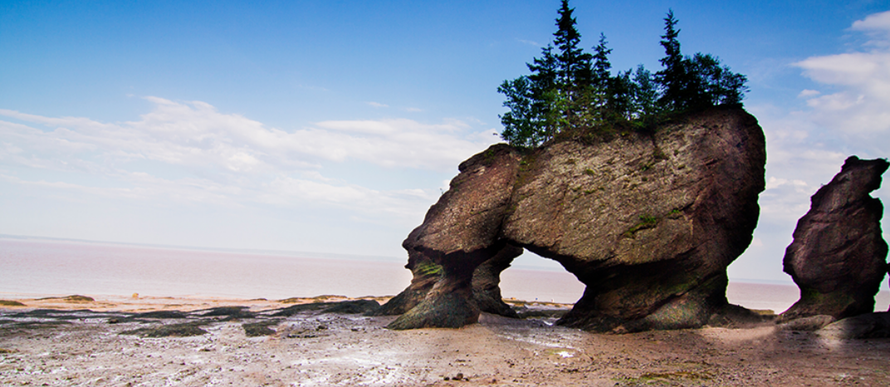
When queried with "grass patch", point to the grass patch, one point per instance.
{"points": [[646, 221], [10, 303], [427, 268]]}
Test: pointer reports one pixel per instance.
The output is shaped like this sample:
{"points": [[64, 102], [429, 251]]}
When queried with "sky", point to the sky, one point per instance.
{"points": [[332, 126]]}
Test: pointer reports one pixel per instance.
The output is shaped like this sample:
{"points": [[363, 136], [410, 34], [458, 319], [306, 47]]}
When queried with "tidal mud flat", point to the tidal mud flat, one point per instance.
{"points": [[328, 341]]}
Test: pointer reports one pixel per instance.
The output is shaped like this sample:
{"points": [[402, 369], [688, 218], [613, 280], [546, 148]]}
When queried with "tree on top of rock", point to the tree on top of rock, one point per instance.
{"points": [[697, 82], [573, 93], [672, 77], [573, 64]]}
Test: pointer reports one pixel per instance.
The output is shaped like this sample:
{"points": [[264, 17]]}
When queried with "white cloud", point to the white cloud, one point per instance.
{"points": [[879, 21], [877, 26], [377, 104], [529, 42], [862, 80], [845, 114], [195, 134], [190, 152]]}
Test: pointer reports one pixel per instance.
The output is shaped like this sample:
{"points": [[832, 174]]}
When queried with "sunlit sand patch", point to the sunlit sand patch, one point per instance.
{"points": [[736, 336]]}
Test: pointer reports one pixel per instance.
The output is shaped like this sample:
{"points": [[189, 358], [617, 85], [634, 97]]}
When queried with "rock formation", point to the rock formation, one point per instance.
{"points": [[838, 255], [648, 222]]}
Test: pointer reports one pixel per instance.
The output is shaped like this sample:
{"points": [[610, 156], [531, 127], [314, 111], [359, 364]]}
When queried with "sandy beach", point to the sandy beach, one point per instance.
{"points": [[190, 341]]}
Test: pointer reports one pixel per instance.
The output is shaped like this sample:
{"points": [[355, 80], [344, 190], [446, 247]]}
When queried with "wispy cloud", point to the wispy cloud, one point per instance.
{"points": [[230, 159], [861, 83], [877, 26], [529, 42], [195, 134], [377, 104], [848, 116]]}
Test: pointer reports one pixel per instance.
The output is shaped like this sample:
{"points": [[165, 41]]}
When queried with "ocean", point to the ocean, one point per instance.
{"points": [[41, 268]]}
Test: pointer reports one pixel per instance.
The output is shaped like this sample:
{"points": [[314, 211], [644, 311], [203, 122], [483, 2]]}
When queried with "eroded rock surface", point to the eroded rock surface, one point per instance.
{"points": [[649, 222], [838, 256]]}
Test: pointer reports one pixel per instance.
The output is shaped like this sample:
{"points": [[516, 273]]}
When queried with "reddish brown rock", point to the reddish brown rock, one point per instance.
{"points": [[460, 233], [838, 256], [649, 222]]}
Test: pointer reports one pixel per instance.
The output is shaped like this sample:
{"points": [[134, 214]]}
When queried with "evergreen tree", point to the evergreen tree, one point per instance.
{"points": [[570, 90], [620, 92], [544, 79], [697, 82], [601, 64], [672, 78], [645, 95], [573, 72], [573, 62]]}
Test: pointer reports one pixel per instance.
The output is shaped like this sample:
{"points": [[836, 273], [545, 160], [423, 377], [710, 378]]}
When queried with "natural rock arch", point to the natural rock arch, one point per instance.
{"points": [[648, 222]]}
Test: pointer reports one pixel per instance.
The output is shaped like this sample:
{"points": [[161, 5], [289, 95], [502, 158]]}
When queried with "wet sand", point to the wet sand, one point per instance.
{"points": [[68, 346]]}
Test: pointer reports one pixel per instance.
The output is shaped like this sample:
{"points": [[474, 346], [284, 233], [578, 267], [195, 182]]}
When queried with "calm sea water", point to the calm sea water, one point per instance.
{"points": [[33, 268]]}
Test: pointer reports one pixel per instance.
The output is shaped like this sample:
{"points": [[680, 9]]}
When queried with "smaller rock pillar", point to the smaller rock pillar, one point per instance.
{"points": [[838, 255]]}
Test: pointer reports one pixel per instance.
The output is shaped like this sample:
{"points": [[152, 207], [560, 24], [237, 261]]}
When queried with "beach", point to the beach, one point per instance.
{"points": [[109, 346], [86, 314]]}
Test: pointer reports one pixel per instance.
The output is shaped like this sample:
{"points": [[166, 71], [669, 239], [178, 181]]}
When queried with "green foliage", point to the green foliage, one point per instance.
{"points": [[572, 94], [646, 221], [429, 268]]}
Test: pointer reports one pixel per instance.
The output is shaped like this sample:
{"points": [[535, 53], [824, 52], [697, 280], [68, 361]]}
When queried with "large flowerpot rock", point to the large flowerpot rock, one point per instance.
{"points": [[649, 222]]}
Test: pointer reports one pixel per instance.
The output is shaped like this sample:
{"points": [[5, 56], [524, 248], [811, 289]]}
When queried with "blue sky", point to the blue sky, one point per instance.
{"points": [[332, 126]]}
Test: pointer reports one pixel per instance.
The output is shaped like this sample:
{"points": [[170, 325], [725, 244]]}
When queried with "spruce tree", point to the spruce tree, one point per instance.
{"points": [[644, 95], [570, 90], [601, 64], [573, 72], [672, 77], [573, 62]]}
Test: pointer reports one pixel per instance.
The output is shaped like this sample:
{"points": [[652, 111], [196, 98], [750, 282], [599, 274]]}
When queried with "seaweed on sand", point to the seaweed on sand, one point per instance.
{"points": [[173, 330], [353, 307], [260, 328], [347, 307], [230, 312], [162, 314]]}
